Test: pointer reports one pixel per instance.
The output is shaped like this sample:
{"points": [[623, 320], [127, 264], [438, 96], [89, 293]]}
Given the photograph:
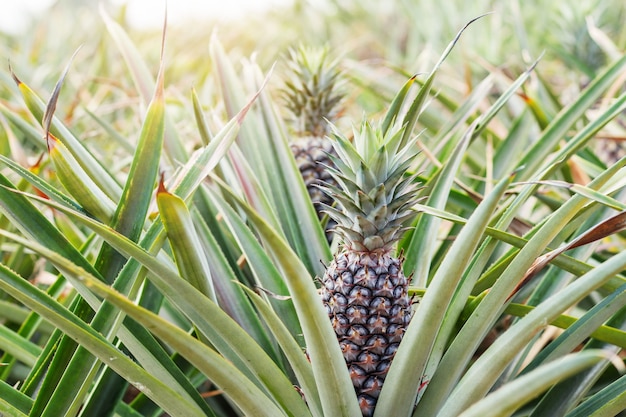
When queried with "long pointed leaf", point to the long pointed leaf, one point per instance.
{"points": [[333, 381], [490, 365], [301, 366], [230, 339], [507, 399], [421, 246], [70, 324], [401, 387], [90, 164]]}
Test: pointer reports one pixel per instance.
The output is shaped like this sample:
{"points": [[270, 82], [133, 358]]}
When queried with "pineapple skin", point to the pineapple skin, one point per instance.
{"points": [[311, 154], [366, 297]]}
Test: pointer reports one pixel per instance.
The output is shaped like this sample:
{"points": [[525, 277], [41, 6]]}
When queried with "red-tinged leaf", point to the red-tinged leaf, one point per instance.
{"points": [[604, 229], [91, 165], [536, 109]]}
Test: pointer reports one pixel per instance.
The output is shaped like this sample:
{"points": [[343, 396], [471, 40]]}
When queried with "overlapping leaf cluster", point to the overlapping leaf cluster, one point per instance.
{"points": [[194, 292]]}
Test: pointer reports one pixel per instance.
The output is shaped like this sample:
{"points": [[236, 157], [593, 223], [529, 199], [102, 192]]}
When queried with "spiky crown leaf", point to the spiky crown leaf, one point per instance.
{"points": [[313, 91], [374, 197]]}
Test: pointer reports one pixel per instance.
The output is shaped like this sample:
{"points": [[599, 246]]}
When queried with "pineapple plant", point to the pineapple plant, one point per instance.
{"points": [[178, 318], [364, 289], [313, 95]]}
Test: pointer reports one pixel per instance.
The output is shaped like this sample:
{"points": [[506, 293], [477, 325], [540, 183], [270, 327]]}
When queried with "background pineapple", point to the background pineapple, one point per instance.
{"points": [[364, 289], [313, 94]]}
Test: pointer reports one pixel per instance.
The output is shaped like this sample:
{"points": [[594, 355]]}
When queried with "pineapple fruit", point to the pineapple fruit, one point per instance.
{"points": [[312, 96], [364, 289]]}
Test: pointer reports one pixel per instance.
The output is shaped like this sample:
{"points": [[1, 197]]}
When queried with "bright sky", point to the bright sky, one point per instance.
{"points": [[141, 13]]}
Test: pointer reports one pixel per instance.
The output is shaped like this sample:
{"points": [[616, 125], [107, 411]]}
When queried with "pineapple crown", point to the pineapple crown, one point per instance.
{"points": [[313, 91], [374, 197]]}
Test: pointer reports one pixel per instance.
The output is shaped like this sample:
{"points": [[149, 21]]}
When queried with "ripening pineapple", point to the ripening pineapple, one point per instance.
{"points": [[312, 96], [364, 289]]}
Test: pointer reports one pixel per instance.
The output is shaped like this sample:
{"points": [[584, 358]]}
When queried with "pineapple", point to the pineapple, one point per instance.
{"points": [[312, 96], [364, 289]]}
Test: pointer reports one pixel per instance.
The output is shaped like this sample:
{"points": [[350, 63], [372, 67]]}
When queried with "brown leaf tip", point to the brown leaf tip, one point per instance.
{"points": [[51, 141], [162, 188], [17, 80]]}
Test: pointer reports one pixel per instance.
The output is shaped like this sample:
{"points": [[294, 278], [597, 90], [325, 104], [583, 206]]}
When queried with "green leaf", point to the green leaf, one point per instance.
{"points": [[186, 246], [128, 219], [266, 273], [78, 184], [41, 185], [88, 163], [230, 296], [65, 320], [193, 265], [577, 329], [19, 347], [396, 105], [420, 248], [12, 402], [410, 119], [297, 358], [144, 82], [610, 401], [135, 201], [511, 396], [32, 135], [503, 99], [229, 338], [566, 394], [333, 381], [558, 128], [264, 142], [484, 372], [243, 392], [401, 388], [459, 353], [34, 224], [191, 176], [203, 127]]}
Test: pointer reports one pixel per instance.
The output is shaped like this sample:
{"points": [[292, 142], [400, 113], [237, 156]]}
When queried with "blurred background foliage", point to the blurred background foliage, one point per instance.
{"points": [[380, 43]]}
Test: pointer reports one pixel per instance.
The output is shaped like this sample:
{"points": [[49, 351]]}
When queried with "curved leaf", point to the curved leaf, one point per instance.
{"points": [[188, 252], [223, 332], [92, 166], [299, 363], [331, 375], [511, 396], [48, 308], [483, 373], [401, 387]]}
